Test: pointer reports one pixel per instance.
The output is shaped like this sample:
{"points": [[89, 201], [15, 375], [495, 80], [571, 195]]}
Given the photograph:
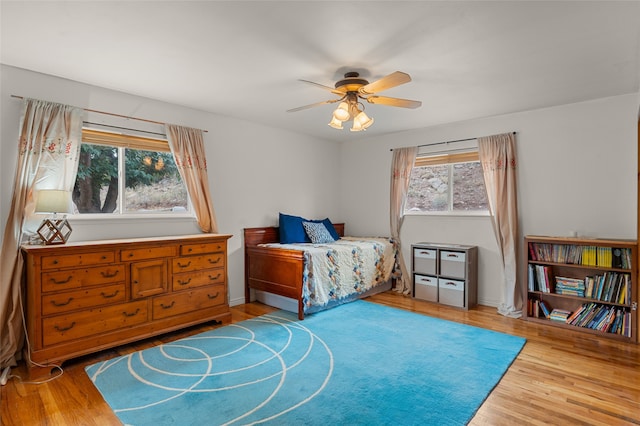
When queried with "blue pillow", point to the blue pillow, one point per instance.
{"points": [[332, 230], [291, 229], [292, 232], [317, 232]]}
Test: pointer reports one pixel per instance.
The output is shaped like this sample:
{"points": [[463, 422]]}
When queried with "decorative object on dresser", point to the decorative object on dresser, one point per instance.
{"points": [[583, 284], [88, 296], [54, 230], [445, 273]]}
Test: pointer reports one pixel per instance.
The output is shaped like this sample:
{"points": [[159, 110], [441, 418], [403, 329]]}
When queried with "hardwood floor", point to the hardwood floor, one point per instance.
{"points": [[561, 377]]}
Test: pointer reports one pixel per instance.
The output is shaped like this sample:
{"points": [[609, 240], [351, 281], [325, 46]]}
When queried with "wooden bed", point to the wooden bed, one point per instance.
{"points": [[279, 272], [273, 270]]}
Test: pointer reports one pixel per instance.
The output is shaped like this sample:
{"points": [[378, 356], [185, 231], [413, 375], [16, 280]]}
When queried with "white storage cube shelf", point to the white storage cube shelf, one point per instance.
{"points": [[445, 273]]}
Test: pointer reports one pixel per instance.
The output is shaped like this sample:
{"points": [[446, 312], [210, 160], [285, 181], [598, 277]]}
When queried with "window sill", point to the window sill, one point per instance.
{"points": [[100, 217], [482, 213]]}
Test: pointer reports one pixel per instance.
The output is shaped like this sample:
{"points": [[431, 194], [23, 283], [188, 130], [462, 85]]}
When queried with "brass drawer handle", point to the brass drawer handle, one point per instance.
{"points": [[106, 274], [63, 329], [62, 281], [55, 261], [103, 257], [54, 303], [213, 262], [214, 278], [214, 296], [132, 314], [109, 296], [184, 282], [163, 306], [184, 266]]}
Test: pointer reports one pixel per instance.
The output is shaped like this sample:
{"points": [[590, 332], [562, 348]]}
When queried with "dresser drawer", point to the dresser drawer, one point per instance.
{"points": [[78, 259], [82, 299], [197, 279], [196, 263], [76, 278], [63, 328], [148, 253], [189, 301], [186, 249]]}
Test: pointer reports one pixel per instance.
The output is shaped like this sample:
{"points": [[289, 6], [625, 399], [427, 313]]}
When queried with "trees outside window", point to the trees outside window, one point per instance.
{"points": [[117, 179]]}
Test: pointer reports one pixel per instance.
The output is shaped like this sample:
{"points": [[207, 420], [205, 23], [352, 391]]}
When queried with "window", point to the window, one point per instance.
{"points": [[125, 174], [449, 182]]}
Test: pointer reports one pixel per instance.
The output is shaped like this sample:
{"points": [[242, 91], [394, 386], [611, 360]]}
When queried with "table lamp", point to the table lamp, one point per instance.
{"points": [[54, 230]]}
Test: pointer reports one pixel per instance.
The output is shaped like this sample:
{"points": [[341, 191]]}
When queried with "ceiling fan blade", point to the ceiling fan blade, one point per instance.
{"points": [[314, 105], [322, 86], [396, 102], [392, 80]]}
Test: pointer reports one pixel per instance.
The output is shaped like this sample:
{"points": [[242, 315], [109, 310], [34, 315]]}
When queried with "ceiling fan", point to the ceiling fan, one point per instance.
{"points": [[352, 89]]}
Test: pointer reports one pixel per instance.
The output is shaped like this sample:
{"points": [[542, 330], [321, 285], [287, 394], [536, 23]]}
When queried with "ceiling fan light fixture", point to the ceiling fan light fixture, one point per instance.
{"points": [[335, 123], [342, 112], [352, 89], [362, 121]]}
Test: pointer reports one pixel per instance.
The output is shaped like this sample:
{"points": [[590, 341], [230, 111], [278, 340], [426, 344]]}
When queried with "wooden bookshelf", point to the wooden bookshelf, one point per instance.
{"points": [[594, 281]]}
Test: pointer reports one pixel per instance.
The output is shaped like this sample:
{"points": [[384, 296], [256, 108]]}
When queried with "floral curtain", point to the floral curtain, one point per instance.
{"points": [[187, 146], [498, 158], [401, 166], [49, 146]]}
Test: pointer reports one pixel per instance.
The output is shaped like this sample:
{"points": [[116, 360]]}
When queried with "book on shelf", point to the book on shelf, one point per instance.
{"points": [[570, 286], [543, 279], [559, 315], [613, 287], [545, 308], [605, 257], [607, 319]]}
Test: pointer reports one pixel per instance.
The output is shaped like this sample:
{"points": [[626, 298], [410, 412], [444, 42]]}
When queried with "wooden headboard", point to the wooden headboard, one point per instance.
{"points": [[271, 234]]}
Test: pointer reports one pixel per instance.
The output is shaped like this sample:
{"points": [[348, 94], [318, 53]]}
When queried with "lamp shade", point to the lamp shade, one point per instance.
{"points": [[342, 112], [335, 123], [53, 201], [363, 120]]}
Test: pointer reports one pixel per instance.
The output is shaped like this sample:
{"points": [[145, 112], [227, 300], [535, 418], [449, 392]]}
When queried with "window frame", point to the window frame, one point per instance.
{"points": [[449, 157], [123, 141]]}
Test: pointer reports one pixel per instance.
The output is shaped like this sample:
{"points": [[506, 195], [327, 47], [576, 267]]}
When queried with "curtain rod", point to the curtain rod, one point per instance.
{"points": [[116, 115], [125, 128], [445, 142]]}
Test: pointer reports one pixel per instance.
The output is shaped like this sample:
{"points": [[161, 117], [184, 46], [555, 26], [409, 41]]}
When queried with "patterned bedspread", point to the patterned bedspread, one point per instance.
{"points": [[338, 270]]}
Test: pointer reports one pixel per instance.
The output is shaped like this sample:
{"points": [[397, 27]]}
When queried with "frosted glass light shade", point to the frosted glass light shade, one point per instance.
{"points": [[335, 123], [342, 112], [363, 120]]}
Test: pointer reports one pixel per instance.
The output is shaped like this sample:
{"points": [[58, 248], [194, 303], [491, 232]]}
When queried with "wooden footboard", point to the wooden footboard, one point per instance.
{"points": [[274, 270]]}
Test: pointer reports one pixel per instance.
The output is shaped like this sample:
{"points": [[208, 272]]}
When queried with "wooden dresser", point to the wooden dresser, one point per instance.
{"points": [[88, 296]]}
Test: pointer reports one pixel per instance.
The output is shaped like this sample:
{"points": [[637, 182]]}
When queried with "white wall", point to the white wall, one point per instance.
{"points": [[254, 171], [577, 168], [577, 172]]}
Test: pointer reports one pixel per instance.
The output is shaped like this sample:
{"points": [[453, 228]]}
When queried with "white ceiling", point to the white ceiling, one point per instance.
{"points": [[467, 59]]}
